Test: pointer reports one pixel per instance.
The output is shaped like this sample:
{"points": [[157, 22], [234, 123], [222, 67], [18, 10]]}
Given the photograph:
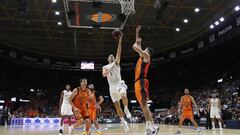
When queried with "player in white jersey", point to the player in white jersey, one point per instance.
{"points": [[215, 111], [65, 108], [117, 86]]}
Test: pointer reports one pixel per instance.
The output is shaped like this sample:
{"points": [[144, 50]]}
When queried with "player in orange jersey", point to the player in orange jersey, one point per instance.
{"points": [[79, 100], [186, 110], [141, 82], [93, 109]]}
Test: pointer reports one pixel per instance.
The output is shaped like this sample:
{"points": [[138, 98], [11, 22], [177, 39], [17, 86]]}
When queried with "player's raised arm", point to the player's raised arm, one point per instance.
{"points": [[137, 46], [119, 50]]}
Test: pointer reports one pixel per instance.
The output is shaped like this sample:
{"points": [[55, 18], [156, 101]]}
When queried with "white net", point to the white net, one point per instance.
{"points": [[127, 7]]}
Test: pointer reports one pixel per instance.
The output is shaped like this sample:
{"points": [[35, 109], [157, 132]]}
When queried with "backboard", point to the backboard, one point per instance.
{"points": [[104, 14]]}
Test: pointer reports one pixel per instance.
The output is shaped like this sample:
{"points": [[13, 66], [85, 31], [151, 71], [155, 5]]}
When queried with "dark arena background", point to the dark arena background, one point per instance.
{"points": [[47, 44]]}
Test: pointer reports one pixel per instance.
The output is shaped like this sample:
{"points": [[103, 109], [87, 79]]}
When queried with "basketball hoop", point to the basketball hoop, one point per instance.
{"points": [[127, 7]]}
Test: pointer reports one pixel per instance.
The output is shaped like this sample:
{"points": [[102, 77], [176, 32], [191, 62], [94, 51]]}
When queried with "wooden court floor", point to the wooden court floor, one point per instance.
{"points": [[108, 129]]}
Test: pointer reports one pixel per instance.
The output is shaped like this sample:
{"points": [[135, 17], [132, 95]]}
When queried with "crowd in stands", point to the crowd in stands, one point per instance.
{"points": [[43, 105], [199, 74], [37, 108]]}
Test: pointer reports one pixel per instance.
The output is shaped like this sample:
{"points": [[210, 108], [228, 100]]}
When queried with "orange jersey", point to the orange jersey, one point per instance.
{"points": [[186, 102], [82, 98], [92, 103], [141, 69]]}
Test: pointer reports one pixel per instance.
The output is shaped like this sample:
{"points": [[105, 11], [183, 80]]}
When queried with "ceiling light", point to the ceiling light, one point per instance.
{"points": [[59, 23], [57, 13], [177, 29], [221, 19], [196, 9], [211, 26], [54, 1], [237, 8], [185, 20], [216, 23]]}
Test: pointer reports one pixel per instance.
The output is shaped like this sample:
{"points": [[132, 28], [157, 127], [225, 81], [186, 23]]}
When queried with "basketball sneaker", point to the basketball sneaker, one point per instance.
{"points": [[99, 132], [126, 128], [148, 131], [199, 131], [85, 133], [128, 114], [60, 132], [178, 132], [155, 130]]}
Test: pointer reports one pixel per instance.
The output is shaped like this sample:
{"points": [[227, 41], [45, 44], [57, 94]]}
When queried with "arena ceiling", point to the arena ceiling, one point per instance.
{"points": [[32, 26]]}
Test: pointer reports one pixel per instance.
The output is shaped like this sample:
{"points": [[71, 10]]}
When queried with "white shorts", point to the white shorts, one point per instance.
{"points": [[117, 91], [215, 113], [66, 109]]}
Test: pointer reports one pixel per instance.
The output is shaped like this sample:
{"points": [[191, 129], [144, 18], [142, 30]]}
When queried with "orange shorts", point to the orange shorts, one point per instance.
{"points": [[141, 90], [92, 114], [187, 114], [82, 114]]}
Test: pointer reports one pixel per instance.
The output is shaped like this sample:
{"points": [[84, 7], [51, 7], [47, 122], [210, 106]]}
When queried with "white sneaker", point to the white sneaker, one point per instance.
{"points": [[178, 132], [155, 130], [213, 129], [126, 128], [220, 129], [148, 131], [199, 131], [128, 114]]}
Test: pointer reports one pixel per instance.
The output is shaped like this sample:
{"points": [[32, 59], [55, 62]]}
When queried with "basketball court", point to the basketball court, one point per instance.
{"points": [[87, 35], [110, 129]]}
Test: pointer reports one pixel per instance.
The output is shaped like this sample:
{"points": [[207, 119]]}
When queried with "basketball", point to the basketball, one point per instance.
{"points": [[116, 34]]}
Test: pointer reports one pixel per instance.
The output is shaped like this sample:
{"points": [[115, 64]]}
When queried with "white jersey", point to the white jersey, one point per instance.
{"points": [[214, 103], [66, 96], [66, 108], [114, 76], [117, 86], [214, 110]]}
